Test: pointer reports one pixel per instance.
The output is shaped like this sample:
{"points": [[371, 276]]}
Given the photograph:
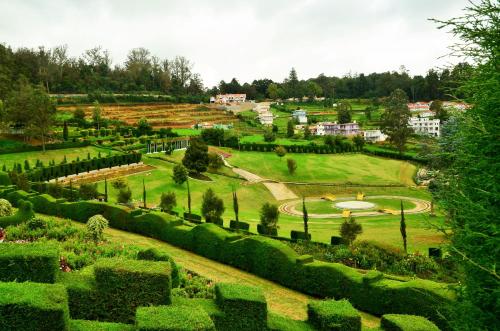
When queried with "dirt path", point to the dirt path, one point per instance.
{"points": [[280, 191], [421, 206]]}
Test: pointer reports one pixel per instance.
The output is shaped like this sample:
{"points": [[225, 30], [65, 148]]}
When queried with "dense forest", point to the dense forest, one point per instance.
{"points": [[142, 72]]}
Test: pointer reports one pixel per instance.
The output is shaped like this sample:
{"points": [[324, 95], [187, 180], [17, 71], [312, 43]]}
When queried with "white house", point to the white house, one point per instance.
{"points": [[227, 98], [426, 124], [374, 135], [300, 116], [266, 118], [333, 128]]}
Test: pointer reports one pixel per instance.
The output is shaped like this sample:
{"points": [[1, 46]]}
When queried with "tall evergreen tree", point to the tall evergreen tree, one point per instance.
{"points": [[402, 227], [395, 120], [189, 196], [305, 217], [236, 210], [144, 194], [105, 190]]}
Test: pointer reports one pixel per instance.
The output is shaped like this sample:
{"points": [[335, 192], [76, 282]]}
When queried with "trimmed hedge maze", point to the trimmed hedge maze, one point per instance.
{"points": [[267, 258], [118, 294]]}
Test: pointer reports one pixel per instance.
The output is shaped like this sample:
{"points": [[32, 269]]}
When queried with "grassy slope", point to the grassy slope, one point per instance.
{"points": [[325, 168], [280, 299], [57, 155]]}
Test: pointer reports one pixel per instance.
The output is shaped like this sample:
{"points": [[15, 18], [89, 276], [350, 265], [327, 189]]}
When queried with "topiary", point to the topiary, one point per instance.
{"points": [[95, 228], [5, 208]]}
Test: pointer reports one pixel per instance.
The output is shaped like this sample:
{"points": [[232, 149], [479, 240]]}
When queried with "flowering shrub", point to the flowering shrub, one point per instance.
{"points": [[5, 208]]}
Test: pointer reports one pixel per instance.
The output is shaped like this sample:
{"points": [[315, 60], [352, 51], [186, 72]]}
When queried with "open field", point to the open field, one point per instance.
{"points": [[160, 115], [326, 168], [57, 155]]}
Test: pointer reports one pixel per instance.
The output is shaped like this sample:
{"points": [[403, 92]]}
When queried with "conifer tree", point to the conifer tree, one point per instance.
{"points": [[402, 226]]}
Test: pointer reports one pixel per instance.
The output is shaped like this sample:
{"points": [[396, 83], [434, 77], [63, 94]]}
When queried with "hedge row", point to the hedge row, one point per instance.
{"points": [[28, 262], [393, 154], [30, 148], [33, 307], [271, 259], [74, 168], [333, 315], [318, 149]]}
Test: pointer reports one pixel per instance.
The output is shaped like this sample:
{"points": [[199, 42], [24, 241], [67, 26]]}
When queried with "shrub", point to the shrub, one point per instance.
{"points": [[88, 191], [168, 201], [215, 161], [394, 322], [95, 228], [335, 240], [212, 207], [292, 166], [83, 325], [269, 215], [5, 208], [245, 307], [28, 262], [119, 183], [124, 285], [173, 318], [36, 223], [153, 254], [33, 307], [299, 235], [333, 315], [124, 195], [24, 213], [241, 225], [180, 174], [349, 230]]}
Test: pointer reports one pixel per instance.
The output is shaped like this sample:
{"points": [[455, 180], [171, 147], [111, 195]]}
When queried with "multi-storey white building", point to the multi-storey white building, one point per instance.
{"points": [[425, 123], [227, 98], [266, 118], [333, 128], [300, 116], [374, 135]]}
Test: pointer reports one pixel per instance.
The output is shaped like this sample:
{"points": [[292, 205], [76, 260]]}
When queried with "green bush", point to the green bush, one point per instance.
{"points": [[28, 262], [333, 315], [299, 235], [153, 254], [83, 325], [4, 178], [24, 213], [393, 322], [33, 307], [124, 285], [244, 307], [5, 208], [241, 225], [173, 318]]}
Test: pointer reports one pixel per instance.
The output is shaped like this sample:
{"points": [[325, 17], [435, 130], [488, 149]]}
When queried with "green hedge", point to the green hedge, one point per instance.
{"points": [[394, 322], [245, 307], [153, 254], [28, 262], [83, 325], [4, 178], [33, 307], [273, 260], [299, 235], [24, 213], [239, 225], [330, 315], [345, 147], [124, 285], [173, 318]]}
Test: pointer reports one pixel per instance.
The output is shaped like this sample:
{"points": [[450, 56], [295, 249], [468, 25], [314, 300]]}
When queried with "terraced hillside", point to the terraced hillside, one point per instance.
{"points": [[161, 115]]}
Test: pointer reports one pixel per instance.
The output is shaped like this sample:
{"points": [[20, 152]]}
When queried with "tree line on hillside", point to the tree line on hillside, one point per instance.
{"points": [[142, 72]]}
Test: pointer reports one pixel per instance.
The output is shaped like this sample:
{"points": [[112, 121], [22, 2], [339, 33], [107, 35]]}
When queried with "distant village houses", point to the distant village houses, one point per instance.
{"points": [[264, 114], [229, 98], [374, 136], [426, 124], [332, 128], [300, 116]]}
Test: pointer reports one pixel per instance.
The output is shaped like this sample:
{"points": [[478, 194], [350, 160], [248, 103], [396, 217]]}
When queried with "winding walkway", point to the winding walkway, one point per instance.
{"points": [[421, 206]]}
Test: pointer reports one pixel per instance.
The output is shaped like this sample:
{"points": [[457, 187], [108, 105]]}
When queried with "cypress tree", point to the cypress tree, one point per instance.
{"points": [[19, 168], [306, 218], [65, 131], [26, 165], [189, 196], [402, 227], [144, 193], [105, 190], [4, 168], [236, 210], [71, 190]]}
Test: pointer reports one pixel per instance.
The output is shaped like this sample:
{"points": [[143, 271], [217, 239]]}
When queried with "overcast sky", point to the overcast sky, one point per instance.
{"points": [[244, 39]]}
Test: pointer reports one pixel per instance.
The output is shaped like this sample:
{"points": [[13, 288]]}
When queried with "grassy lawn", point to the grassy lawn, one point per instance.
{"points": [[57, 155], [326, 168], [325, 207], [259, 139], [187, 132]]}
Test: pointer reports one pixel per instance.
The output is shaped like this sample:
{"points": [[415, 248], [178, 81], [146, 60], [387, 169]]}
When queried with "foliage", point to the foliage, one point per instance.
{"points": [[402, 227], [168, 201], [173, 318], [290, 129], [269, 136], [269, 216], [215, 161], [305, 219], [359, 141], [196, 156], [95, 228], [292, 166], [394, 322], [124, 195], [212, 207], [119, 183], [333, 315], [344, 112], [214, 137], [180, 174], [5, 208], [280, 151], [395, 119], [350, 229], [193, 286], [88, 191], [468, 185]]}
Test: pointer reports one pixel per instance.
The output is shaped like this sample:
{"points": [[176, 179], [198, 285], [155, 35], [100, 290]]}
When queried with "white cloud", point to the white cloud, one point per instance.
{"points": [[244, 39]]}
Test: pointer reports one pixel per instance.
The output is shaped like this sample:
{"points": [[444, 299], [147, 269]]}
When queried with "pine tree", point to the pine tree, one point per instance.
{"points": [[26, 165], [236, 210], [189, 197], [402, 227]]}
